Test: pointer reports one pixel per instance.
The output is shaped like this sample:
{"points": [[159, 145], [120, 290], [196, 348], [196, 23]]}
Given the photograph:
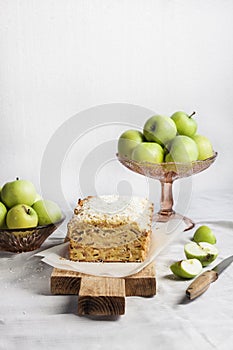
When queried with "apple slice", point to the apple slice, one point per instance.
{"points": [[204, 234], [186, 268], [205, 252]]}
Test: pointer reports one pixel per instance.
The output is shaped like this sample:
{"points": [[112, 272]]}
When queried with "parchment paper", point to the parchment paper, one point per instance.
{"points": [[162, 235]]}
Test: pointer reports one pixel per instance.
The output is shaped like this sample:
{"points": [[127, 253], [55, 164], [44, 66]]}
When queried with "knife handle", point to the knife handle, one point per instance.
{"points": [[201, 284]]}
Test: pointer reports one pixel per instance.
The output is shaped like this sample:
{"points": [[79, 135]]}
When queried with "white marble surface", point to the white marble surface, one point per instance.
{"points": [[32, 318]]}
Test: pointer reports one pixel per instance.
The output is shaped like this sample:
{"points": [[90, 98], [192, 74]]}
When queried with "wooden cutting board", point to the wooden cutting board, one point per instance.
{"points": [[103, 295]]}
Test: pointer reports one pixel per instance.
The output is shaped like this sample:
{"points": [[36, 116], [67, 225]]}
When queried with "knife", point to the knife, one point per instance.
{"points": [[202, 282]]}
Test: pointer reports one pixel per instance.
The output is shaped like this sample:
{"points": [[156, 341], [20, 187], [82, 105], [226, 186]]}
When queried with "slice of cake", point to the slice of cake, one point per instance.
{"points": [[110, 229]]}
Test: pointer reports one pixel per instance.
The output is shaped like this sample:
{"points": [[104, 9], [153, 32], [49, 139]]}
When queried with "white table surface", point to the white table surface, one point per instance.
{"points": [[32, 318]]}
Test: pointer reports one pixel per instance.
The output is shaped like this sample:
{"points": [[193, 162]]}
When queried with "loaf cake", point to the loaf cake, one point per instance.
{"points": [[110, 229]]}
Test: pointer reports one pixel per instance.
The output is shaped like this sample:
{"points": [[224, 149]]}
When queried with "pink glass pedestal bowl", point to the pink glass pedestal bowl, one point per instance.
{"points": [[167, 173]]}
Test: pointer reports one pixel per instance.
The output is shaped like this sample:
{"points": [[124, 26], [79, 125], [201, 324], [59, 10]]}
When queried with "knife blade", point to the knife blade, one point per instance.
{"points": [[202, 282]]}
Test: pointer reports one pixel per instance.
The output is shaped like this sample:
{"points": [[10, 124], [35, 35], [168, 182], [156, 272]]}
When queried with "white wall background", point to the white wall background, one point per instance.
{"points": [[60, 57]]}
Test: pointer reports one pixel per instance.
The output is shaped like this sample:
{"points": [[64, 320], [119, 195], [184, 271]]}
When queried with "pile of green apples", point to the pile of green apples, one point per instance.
{"points": [[166, 139], [22, 207], [200, 252]]}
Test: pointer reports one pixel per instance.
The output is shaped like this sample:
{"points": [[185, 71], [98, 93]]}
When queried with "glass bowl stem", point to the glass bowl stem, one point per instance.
{"points": [[166, 200]]}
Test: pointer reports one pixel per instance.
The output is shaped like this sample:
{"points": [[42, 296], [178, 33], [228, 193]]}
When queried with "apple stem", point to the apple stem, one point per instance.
{"points": [[26, 210], [190, 116]]}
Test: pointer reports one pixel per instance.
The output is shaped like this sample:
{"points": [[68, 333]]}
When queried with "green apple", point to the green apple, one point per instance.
{"points": [[186, 268], [182, 149], [21, 216], [18, 192], [3, 212], [48, 212], [160, 129], [205, 148], [203, 251], [204, 234], [168, 158], [185, 124], [128, 141], [148, 152], [38, 197]]}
